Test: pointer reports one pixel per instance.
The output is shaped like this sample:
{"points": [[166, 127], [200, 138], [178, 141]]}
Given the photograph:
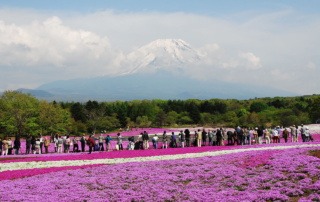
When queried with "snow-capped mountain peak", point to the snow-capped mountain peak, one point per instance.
{"points": [[168, 54]]}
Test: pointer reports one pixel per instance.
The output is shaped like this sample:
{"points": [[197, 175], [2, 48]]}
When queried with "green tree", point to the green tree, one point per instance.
{"points": [[53, 119], [258, 106], [143, 122], [194, 112], [161, 118], [172, 117], [314, 111], [19, 113]]}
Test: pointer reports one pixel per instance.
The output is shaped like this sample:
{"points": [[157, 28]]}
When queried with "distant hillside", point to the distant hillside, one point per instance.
{"points": [[158, 85]]}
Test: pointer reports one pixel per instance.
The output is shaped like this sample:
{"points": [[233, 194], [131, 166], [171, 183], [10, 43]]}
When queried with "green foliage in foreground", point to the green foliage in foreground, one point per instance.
{"points": [[22, 114]]}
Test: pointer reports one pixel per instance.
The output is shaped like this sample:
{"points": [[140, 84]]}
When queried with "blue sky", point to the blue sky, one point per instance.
{"points": [[206, 7], [272, 43]]}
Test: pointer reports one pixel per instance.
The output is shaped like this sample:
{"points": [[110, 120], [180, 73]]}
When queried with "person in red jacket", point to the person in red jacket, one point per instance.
{"points": [[91, 144]]}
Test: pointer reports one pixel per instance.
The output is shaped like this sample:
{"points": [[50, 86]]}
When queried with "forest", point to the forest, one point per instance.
{"points": [[22, 114]]}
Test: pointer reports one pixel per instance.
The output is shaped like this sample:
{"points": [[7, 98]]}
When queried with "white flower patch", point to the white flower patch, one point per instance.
{"points": [[49, 164]]}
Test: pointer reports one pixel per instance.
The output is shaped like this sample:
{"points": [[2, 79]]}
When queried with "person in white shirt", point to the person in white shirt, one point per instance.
{"points": [[37, 147], [155, 141]]}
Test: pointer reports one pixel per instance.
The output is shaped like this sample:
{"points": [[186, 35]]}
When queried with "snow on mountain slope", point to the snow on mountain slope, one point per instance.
{"points": [[168, 54]]}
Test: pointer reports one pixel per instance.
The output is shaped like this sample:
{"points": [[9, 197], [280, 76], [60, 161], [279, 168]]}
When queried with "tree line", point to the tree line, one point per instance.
{"points": [[22, 114]]}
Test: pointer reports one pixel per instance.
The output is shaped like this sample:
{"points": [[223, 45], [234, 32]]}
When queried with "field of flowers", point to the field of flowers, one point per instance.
{"points": [[274, 172]]}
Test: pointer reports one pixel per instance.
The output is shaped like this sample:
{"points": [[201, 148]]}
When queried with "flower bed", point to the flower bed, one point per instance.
{"points": [[258, 173]]}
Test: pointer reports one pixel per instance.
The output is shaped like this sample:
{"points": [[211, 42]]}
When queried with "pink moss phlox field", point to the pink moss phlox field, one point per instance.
{"points": [[9, 175], [275, 175]]}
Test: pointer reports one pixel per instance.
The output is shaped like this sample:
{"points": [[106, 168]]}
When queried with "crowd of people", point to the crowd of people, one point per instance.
{"points": [[209, 137]]}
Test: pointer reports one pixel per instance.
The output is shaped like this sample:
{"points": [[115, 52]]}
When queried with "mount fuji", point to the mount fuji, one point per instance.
{"points": [[155, 71], [167, 54]]}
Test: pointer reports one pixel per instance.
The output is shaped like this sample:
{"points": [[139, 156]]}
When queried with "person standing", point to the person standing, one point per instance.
{"points": [[17, 145], [285, 135], [75, 144], [235, 137], [248, 136], [131, 143], [164, 140], [60, 142], [5, 147], [230, 137], [145, 138], [303, 133], [67, 144], [119, 141], [294, 133], [91, 144], [46, 144], [173, 140], [219, 137], [204, 137], [9, 146], [241, 136], [210, 134], [28, 144], [101, 147], [33, 144], [279, 133], [187, 133], [182, 138], [275, 135], [199, 138], [260, 134], [41, 143], [108, 143], [255, 134], [37, 147], [55, 142], [214, 138], [155, 141], [267, 136], [307, 135], [83, 143]]}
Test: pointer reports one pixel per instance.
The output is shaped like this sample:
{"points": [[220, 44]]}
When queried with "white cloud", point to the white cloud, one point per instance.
{"points": [[51, 51], [252, 61]]}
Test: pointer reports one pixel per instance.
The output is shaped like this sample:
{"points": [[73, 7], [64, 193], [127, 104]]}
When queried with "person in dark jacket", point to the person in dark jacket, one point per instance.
{"points": [[28, 144], [230, 137], [204, 137], [187, 133], [145, 138], [17, 145], [219, 137], [83, 143], [33, 144], [260, 134]]}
